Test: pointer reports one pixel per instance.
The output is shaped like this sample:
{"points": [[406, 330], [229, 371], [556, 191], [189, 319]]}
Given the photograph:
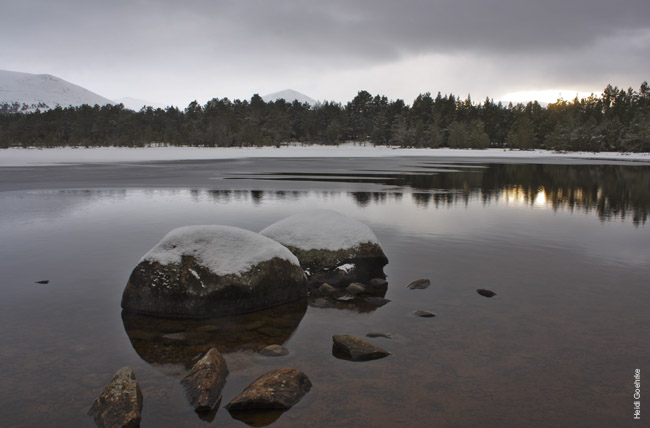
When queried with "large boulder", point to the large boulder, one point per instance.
{"points": [[331, 247], [205, 271]]}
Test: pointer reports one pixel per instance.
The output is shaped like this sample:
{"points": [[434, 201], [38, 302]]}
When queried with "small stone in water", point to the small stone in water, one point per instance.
{"points": [[377, 334], [356, 349], [419, 284], [274, 351], [424, 314], [485, 292]]}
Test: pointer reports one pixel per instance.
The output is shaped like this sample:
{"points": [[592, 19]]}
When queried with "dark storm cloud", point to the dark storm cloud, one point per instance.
{"points": [[202, 48], [341, 29]]}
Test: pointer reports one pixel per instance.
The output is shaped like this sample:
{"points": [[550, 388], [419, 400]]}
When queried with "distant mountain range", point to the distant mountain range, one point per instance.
{"points": [[289, 95], [25, 92]]}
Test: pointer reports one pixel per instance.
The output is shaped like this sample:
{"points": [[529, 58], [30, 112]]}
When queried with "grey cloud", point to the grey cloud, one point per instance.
{"points": [[219, 44], [377, 29]]}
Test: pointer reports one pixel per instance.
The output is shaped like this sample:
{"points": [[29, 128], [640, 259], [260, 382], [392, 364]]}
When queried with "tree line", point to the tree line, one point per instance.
{"points": [[617, 120]]}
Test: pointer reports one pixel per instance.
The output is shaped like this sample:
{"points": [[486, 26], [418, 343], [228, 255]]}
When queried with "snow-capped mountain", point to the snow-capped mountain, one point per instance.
{"points": [[136, 104], [25, 92], [289, 95]]}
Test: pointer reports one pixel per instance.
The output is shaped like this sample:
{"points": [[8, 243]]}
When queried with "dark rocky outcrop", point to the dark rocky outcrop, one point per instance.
{"points": [[356, 349], [278, 389], [206, 271], [205, 381], [120, 404]]}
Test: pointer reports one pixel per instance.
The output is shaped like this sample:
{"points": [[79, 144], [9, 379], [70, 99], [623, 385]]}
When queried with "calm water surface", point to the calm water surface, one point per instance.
{"points": [[565, 247]]}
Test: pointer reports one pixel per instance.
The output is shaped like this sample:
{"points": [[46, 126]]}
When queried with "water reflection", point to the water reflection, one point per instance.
{"points": [[182, 342], [612, 191]]}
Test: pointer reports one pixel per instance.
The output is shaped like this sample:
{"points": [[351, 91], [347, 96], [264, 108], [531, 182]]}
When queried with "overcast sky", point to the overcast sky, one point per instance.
{"points": [[171, 51]]}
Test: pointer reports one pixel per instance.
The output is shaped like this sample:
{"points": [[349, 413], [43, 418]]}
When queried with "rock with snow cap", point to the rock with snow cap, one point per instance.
{"points": [[334, 248], [205, 271]]}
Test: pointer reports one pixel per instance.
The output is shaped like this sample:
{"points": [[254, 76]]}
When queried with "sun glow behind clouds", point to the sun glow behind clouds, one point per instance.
{"points": [[544, 96]]}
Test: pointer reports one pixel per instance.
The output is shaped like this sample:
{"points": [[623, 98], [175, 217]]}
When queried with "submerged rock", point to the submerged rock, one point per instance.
{"points": [[356, 349], [332, 247], [173, 345], [379, 334], [204, 271], [274, 351], [205, 381], [486, 293], [424, 314], [120, 404], [419, 284], [277, 389]]}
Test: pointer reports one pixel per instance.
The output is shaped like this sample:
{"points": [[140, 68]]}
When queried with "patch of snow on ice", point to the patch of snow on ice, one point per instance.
{"points": [[320, 229], [224, 250]]}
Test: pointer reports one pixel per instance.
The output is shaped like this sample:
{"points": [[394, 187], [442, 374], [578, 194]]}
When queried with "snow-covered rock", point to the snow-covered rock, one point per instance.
{"points": [[25, 92], [334, 248], [203, 271]]}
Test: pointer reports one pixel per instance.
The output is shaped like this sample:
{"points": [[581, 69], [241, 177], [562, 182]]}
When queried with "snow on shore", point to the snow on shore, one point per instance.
{"points": [[35, 157]]}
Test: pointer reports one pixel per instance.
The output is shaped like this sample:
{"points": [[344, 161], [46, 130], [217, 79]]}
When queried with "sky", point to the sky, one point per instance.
{"points": [[173, 52]]}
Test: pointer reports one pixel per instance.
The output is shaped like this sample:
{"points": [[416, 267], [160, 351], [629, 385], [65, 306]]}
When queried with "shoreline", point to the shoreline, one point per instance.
{"points": [[28, 157]]}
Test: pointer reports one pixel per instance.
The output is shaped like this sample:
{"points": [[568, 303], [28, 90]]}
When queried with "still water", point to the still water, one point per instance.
{"points": [[565, 247]]}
